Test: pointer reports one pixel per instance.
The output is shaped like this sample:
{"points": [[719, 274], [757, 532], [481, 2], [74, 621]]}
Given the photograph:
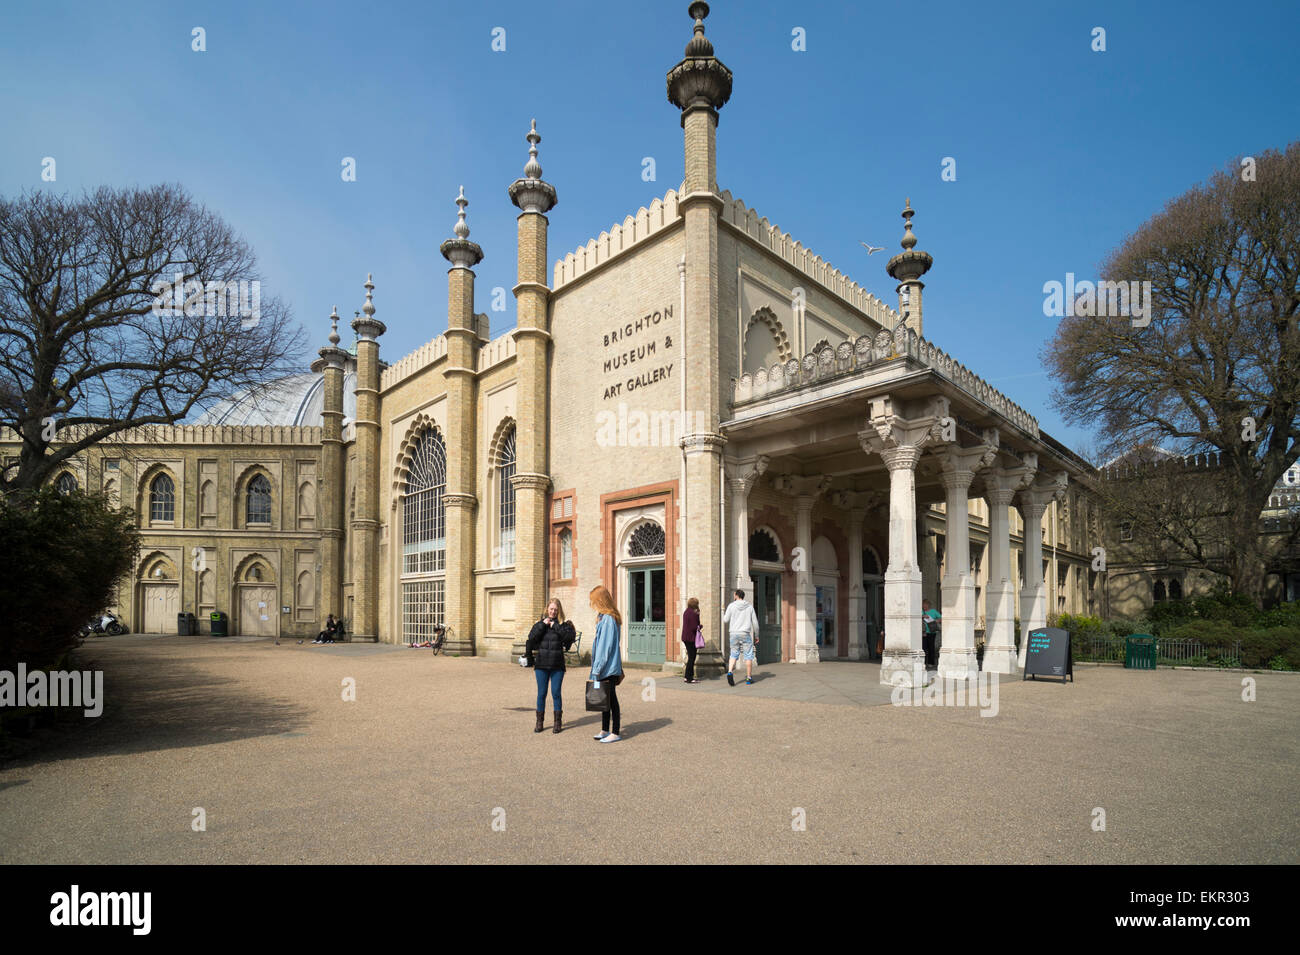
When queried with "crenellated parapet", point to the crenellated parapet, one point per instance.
{"points": [[735, 214], [661, 214], [160, 434], [404, 367], [1136, 469]]}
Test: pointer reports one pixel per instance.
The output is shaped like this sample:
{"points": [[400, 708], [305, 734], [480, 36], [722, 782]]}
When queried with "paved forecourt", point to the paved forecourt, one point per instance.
{"points": [[434, 750]]}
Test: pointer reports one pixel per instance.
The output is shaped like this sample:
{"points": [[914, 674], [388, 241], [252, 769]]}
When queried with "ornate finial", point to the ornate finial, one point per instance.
{"points": [[912, 262], [700, 79], [909, 240], [699, 44], [530, 193], [533, 169], [462, 227], [369, 307], [334, 327]]}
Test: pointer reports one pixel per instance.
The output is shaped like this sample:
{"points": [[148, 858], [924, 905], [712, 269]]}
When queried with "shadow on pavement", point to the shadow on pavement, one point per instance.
{"points": [[155, 704]]}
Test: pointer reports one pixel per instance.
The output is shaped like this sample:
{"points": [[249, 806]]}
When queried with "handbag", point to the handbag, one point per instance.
{"points": [[597, 697], [699, 637]]}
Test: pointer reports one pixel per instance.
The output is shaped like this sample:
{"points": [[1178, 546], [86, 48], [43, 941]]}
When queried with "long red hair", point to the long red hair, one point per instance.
{"points": [[603, 602]]}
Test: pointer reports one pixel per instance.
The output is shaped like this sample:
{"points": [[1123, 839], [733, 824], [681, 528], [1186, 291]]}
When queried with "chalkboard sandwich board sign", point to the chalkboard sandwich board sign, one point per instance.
{"points": [[1049, 654]]}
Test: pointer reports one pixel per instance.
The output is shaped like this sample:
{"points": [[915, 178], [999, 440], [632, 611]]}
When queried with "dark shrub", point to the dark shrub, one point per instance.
{"points": [[61, 558]]}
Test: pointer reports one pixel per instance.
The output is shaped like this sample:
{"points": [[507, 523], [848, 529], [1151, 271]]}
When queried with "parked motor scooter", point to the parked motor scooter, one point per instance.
{"points": [[105, 624]]}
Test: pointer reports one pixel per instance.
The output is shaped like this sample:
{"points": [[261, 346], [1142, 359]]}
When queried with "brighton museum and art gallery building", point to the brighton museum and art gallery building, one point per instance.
{"points": [[691, 402]]}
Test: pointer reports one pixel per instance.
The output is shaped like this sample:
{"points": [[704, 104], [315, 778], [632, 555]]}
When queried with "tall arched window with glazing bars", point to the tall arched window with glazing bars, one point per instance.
{"points": [[424, 539], [257, 509], [424, 515], [162, 499], [505, 465]]}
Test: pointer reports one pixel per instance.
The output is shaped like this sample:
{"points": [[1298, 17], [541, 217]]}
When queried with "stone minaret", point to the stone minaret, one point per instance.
{"points": [[462, 430], [535, 198], [330, 480], [365, 524], [908, 267], [699, 86]]}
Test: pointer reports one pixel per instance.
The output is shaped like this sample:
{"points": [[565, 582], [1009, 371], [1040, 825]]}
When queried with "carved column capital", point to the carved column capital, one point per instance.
{"points": [[527, 480], [809, 488], [743, 474]]}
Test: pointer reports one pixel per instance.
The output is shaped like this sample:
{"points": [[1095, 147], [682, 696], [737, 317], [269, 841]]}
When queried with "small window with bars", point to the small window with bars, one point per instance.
{"points": [[423, 607]]}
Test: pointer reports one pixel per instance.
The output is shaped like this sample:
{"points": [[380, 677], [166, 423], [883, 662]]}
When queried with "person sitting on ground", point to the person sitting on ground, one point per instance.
{"points": [[331, 629]]}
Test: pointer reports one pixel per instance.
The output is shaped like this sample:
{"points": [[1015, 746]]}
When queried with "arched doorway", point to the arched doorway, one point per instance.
{"points": [[159, 595], [646, 589], [765, 569], [873, 594], [825, 578]]}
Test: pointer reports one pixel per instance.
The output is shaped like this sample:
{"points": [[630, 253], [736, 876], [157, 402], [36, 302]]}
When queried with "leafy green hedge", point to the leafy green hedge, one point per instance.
{"points": [[1268, 639]]}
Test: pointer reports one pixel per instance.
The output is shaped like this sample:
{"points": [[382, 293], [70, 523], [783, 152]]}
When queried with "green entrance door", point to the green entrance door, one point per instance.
{"points": [[767, 604], [646, 615]]}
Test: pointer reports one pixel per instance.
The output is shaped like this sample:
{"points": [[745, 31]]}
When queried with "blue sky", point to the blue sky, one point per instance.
{"points": [[1060, 151]]}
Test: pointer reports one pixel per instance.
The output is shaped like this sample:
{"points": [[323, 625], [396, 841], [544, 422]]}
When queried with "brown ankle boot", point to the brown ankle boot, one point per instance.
{"points": [[540, 716], [559, 722]]}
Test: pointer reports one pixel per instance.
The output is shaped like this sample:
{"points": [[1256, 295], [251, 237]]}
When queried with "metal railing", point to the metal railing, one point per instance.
{"points": [[1192, 652], [1108, 648], [1098, 648]]}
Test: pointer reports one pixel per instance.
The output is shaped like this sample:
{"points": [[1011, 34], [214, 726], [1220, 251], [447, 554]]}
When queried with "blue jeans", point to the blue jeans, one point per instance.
{"points": [[556, 679]]}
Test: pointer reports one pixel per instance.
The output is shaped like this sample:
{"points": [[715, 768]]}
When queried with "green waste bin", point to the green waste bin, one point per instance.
{"points": [[218, 619], [1140, 652]]}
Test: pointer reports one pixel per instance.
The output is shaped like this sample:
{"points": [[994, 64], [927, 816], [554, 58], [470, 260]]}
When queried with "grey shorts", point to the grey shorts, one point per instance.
{"points": [[742, 646]]}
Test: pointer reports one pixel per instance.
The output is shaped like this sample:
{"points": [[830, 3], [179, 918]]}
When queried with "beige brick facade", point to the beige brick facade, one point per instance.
{"points": [[607, 415]]}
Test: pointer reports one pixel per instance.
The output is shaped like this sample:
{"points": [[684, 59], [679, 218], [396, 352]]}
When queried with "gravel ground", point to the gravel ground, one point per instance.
{"points": [[435, 760]]}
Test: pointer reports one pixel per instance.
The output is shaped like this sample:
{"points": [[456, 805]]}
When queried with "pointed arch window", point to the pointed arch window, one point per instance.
{"points": [[162, 499], [66, 484], [257, 507], [505, 465], [424, 511]]}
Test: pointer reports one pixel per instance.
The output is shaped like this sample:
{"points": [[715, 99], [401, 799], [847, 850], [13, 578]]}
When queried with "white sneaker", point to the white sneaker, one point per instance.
{"points": [[601, 735], [611, 738]]}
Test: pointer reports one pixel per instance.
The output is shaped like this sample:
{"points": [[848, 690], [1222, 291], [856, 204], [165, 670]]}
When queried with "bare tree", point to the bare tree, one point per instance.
{"points": [[1218, 367], [124, 308]]}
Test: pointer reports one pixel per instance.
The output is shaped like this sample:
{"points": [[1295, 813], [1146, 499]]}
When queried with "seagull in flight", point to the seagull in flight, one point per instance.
{"points": [[872, 249]]}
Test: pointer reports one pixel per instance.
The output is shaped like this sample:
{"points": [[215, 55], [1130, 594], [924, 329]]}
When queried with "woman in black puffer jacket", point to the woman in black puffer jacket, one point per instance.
{"points": [[547, 641]]}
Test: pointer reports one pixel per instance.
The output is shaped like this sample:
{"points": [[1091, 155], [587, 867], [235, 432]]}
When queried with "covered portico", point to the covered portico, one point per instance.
{"points": [[885, 425]]}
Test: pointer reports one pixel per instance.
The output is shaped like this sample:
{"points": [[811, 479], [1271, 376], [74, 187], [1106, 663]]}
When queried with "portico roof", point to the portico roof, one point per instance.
{"points": [[806, 415]]}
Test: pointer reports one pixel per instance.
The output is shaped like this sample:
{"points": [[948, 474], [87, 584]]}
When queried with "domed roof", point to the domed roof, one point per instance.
{"points": [[293, 400]]}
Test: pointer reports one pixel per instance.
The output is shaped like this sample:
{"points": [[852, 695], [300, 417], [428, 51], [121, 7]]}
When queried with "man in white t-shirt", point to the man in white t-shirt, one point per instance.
{"points": [[742, 624]]}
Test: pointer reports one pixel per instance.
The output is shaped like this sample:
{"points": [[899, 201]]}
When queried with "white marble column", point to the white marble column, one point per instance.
{"points": [[857, 600], [858, 504], [805, 491], [898, 439], [741, 477], [957, 658], [1000, 486], [1032, 503]]}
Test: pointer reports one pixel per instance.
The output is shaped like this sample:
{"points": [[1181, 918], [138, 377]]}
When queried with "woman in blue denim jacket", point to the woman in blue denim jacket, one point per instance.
{"points": [[607, 659]]}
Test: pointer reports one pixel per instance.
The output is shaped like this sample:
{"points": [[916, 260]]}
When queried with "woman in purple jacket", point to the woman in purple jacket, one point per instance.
{"points": [[690, 626]]}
